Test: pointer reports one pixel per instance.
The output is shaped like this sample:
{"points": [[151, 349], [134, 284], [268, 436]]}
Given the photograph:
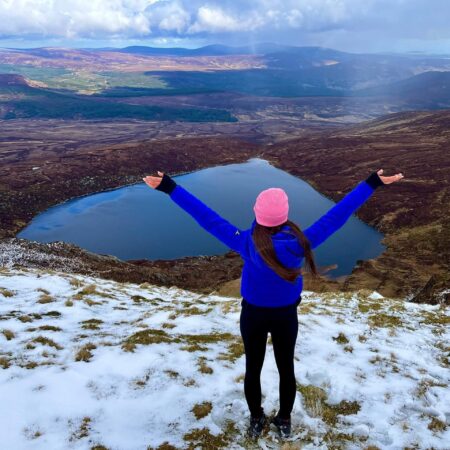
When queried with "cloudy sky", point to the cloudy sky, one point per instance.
{"points": [[352, 25]]}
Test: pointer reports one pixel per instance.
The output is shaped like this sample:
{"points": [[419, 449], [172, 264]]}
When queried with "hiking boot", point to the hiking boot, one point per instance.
{"points": [[256, 426], [283, 426]]}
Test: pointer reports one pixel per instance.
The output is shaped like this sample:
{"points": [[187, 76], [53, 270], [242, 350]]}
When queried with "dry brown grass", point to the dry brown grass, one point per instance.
{"points": [[85, 352], [201, 410]]}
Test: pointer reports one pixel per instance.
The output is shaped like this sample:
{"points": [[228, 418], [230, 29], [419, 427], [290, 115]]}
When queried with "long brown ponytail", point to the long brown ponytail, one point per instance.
{"points": [[262, 236]]}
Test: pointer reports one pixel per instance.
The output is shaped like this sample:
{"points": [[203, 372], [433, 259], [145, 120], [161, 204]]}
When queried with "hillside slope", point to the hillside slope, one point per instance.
{"points": [[87, 363], [413, 213], [422, 91]]}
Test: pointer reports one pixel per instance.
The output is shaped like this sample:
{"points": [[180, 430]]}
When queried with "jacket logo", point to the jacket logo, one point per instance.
{"points": [[237, 232]]}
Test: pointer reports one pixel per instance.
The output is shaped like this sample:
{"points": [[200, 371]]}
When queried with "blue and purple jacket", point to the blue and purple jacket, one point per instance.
{"points": [[260, 284]]}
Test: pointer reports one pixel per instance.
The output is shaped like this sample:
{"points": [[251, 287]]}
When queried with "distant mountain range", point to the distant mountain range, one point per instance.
{"points": [[208, 50], [261, 49], [289, 57]]}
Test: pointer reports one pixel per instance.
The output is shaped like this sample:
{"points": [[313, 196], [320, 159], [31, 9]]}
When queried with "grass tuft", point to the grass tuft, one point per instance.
{"points": [[147, 337], [52, 314], [194, 311], [75, 283], [88, 290], [90, 302], [164, 446], [91, 324], [139, 299], [203, 367], [6, 292], [382, 320], [315, 402], [366, 306], [437, 425], [25, 319], [4, 362], [235, 351], [192, 342], [172, 373], [85, 353], [83, 430], [202, 438], [46, 341], [44, 328], [201, 410], [8, 334], [45, 298], [341, 339]]}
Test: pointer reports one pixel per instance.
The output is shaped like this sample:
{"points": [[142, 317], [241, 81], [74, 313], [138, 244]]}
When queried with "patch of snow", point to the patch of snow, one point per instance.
{"points": [[389, 357]]}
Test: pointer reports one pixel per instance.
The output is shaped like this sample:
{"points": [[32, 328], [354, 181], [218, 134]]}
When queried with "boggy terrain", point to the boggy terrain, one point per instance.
{"points": [[412, 214]]}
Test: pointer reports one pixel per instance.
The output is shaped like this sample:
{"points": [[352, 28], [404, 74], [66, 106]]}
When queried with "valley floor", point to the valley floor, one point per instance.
{"points": [[87, 363]]}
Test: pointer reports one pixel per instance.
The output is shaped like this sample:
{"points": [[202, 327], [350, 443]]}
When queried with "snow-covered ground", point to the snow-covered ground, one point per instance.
{"points": [[87, 363]]}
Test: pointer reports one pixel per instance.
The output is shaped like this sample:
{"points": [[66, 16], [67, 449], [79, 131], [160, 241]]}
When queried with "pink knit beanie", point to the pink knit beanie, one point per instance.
{"points": [[271, 207]]}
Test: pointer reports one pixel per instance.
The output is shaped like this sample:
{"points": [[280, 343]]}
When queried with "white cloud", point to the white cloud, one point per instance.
{"points": [[213, 19], [168, 16], [73, 18], [228, 19]]}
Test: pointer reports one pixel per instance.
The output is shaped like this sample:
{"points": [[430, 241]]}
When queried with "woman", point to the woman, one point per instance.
{"points": [[273, 249]]}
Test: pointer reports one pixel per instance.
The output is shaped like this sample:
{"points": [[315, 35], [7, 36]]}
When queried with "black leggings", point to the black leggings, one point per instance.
{"points": [[282, 323]]}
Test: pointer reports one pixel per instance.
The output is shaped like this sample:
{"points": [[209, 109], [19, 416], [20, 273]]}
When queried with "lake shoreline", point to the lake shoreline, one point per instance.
{"points": [[101, 222]]}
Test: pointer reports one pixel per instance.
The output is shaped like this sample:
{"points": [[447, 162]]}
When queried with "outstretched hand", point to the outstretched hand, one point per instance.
{"points": [[153, 182], [391, 179]]}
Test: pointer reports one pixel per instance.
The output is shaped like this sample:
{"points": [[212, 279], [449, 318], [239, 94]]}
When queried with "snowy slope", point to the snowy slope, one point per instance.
{"points": [[88, 363]]}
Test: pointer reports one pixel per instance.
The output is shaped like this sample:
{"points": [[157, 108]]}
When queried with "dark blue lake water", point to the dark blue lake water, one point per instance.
{"points": [[137, 222]]}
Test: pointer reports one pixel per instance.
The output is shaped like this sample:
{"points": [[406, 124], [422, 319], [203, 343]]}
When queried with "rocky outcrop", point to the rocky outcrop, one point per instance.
{"points": [[436, 291]]}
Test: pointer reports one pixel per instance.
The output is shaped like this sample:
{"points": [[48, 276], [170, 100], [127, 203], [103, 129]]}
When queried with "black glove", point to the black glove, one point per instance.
{"points": [[167, 184], [374, 180]]}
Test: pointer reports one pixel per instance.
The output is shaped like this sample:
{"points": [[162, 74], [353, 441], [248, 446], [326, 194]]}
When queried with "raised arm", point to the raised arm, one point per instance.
{"points": [[212, 222], [336, 217]]}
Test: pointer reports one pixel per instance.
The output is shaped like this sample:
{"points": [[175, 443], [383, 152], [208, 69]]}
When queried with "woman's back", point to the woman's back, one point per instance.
{"points": [[260, 284]]}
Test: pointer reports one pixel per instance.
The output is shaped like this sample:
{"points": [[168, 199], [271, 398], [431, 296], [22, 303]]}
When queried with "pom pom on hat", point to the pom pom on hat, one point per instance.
{"points": [[271, 207]]}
